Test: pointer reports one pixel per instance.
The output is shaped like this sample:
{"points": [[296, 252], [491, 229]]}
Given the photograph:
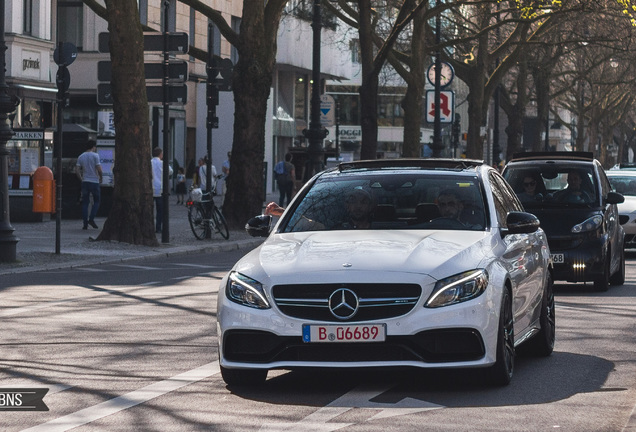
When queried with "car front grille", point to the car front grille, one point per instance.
{"points": [[376, 301], [431, 346], [564, 243]]}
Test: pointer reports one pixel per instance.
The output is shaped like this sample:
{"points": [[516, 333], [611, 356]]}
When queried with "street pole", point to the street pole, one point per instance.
{"points": [[211, 115], [547, 122], [8, 240], [315, 134], [495, 133], [437, 124], [58, 164], [167, 154], [496, 149]]}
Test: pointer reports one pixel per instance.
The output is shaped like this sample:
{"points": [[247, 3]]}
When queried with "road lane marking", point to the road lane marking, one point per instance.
{"points": [[359, 397], [199, 265], [90, 269], [126, 401], [138, 267]]}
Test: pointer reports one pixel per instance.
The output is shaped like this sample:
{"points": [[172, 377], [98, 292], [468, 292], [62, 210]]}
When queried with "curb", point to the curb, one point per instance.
{"points": [[141, 256]]}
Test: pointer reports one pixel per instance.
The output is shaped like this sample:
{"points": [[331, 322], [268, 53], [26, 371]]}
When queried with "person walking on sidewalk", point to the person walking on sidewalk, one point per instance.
{"points": [[285, 175], [89, 171], [157, 185]]}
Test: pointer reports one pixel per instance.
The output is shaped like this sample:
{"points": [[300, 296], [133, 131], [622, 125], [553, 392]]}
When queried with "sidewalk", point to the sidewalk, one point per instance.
{"points": [[35, 249]]}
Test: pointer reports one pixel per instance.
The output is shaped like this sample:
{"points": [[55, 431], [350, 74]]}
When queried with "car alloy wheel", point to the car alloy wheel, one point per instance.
{"points": [[502, 371]]}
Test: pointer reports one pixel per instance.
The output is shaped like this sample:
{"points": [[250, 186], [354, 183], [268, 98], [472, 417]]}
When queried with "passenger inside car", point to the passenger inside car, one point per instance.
{"points": [[532, 188], [576, 191]]}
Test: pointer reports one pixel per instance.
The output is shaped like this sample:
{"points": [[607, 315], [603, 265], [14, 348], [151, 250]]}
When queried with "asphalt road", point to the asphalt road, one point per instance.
{"points": [[132, 346]]}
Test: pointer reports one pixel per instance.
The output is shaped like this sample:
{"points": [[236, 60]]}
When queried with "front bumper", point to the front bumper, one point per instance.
{"points": [[583, 258], [461, 335]]}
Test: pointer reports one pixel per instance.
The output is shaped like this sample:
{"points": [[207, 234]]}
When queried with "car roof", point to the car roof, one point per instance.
{"points": [[421, 164], [621, 173], [556, 155]]}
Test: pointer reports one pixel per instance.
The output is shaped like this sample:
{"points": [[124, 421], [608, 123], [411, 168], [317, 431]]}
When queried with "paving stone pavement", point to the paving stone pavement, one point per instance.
{"points": [[36, 247]]}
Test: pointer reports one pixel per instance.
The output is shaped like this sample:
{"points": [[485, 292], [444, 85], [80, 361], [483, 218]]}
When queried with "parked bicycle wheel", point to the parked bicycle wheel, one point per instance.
{"points": [[198, 223], [220, 224]]}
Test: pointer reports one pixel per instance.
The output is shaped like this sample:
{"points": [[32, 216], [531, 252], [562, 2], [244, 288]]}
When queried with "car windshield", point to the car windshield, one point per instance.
{"points": [[389, 201], [553, 185], [625, 185]]}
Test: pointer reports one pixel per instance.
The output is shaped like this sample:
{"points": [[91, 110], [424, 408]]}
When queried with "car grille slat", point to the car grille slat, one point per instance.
{"points": [[376, 301]]}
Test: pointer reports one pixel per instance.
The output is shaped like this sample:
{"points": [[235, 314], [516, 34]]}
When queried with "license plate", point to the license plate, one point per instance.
{"points": [[557, 258], [344, 333]]}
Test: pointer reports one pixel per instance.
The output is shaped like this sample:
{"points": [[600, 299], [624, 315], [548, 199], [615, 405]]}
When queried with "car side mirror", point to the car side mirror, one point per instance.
{"points": [[614, 198], [521, 223], [259, 226]]}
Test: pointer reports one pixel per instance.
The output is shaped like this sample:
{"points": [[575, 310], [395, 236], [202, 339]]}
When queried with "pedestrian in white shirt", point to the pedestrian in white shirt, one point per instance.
{"points": [[157, 185]]}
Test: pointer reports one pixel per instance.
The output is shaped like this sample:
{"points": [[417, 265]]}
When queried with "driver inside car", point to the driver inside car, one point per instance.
{"points": [[450, 206]]}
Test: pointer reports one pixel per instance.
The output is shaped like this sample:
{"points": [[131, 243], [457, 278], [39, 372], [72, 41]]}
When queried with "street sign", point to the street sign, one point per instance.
{"points": [[219, 72], [178, 42], [177, 70], [446, 106], [66, 55], [327, 110], [176, 94]]}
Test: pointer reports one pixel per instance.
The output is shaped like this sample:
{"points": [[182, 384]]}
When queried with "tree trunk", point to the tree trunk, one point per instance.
{"points": [[369, 87], [131, 217], [516, 111], [413, 103], [251, 86]]}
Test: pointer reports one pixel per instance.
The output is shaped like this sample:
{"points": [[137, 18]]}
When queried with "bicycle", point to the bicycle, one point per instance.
{"points": [[206, 218]]}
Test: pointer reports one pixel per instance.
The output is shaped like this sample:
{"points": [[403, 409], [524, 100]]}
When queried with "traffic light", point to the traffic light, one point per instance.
{"points": [[63, 81]]}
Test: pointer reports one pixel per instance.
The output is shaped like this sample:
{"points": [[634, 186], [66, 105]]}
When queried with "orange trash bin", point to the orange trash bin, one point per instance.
{"points": [[43, 190]]}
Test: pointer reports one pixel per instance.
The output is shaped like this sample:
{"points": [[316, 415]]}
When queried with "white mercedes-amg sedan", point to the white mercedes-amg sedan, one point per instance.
{"points": [[423, 263]]}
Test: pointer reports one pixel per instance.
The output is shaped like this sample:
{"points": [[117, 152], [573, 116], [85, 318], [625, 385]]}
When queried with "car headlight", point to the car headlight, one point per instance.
{"points": [[246, 291], [591, 224], [458, 288]]}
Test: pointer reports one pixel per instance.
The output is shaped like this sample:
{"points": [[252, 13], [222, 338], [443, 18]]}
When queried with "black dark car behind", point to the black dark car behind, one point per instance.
{"points": [[574, 201]]}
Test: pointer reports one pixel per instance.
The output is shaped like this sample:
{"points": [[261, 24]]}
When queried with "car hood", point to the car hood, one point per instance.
{"points": [[629, 206], [559, 221], [435, 253]]}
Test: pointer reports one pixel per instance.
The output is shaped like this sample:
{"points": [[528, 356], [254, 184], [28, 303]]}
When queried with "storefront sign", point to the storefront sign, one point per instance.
{"points": [[350, 133], [28, 135], [31, 64]]}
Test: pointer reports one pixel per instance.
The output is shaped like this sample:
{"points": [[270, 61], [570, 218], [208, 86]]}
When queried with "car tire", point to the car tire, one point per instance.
{"points": [[542, 344], [501, 372], [601, 282], [618, 278], [243, 377]]}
